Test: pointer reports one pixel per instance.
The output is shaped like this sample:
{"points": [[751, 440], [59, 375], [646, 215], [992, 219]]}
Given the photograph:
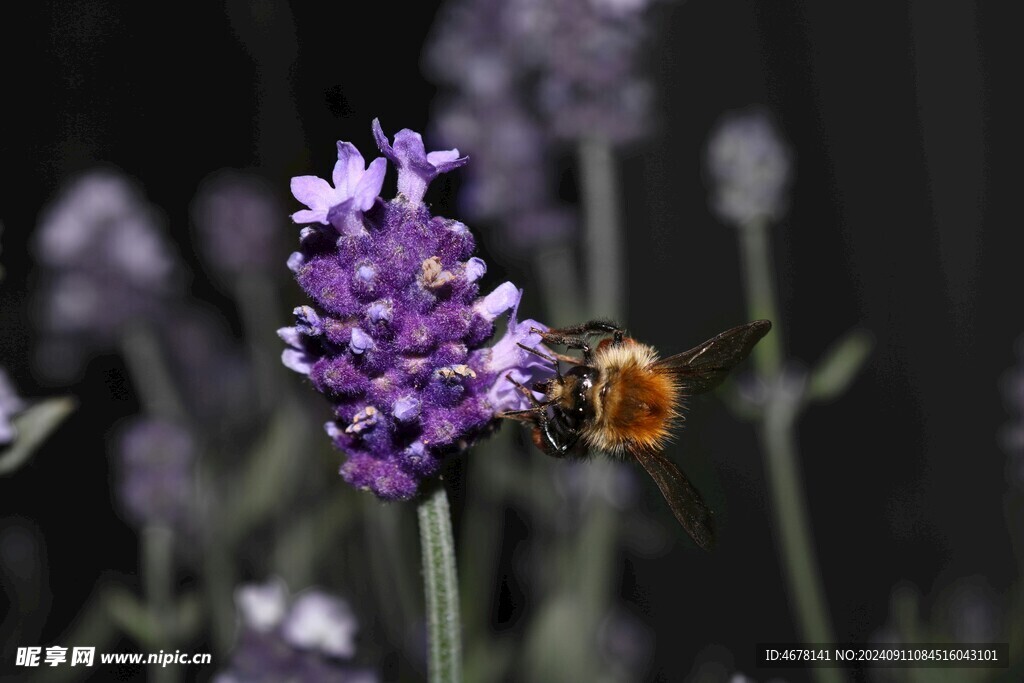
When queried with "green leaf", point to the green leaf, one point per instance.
{"points": [[132, 616], [32, 427], [839, 365], [269, 475]]}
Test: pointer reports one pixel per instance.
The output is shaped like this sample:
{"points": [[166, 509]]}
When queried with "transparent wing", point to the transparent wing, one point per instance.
{"points": [[703, 367], [686, 503]]}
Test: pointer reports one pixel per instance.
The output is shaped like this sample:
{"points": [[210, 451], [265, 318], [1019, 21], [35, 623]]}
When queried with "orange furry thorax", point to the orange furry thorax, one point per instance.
{"points": [[635, 404]]}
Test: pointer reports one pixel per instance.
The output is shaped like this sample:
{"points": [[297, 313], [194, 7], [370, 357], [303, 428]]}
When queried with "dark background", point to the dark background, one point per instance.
{"points": [[904, 220]]}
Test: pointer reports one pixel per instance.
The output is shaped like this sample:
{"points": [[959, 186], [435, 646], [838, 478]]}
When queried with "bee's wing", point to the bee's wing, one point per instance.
{"points": [[703, 368], [686, 503]]}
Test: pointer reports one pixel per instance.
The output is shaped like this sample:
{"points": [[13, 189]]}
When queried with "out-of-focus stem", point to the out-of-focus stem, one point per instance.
{"points": [[158, 578], [603, 238], [444, 631], [756, 260], [150, 375], [778, 436], [259, 309], [559, 278]]}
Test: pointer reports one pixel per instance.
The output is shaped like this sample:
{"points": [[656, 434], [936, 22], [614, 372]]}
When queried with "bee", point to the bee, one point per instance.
{"points": [[622, 399]]}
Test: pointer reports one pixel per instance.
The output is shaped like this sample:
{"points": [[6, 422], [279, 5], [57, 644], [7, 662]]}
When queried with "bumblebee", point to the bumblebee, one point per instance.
{"points": [[622, 399]]}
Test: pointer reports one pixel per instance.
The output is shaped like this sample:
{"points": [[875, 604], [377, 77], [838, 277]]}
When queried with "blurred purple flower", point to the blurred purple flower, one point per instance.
{"points": [[395, 336], [308, 640], [10, 405], [318, 621], [211, 372], [238, 221], [157, 458], [749, 168], [106, 265], [526, 74]]}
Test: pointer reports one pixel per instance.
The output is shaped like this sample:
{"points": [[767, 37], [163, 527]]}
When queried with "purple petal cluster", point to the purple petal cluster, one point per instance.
{"points": [[106, 265], [157, 471], [308, 639], [10, 405], [396, 328], [238, 221], [749, 168]]}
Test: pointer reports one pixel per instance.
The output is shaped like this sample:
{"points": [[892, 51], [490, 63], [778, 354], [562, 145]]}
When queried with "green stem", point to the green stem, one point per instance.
{"points": [[442, 588], [259, 310], [604, 244], [756, 259], [158, 567], [150, 374], [778, 436]]}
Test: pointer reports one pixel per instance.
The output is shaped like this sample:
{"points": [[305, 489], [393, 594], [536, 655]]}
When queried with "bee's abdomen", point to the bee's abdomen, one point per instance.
{"points": [[637, 410]]}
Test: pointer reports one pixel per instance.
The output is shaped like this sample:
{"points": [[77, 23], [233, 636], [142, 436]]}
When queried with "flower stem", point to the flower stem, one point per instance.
{"points": [[603, 239], [158, 567], [778, 437], [441, 587]]}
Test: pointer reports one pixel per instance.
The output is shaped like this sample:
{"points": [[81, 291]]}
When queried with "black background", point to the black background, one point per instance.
{"points": [[904, 220]]}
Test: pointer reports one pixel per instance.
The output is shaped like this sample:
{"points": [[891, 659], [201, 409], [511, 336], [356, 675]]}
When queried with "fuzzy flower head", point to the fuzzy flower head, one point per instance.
{"points": [[394, 334], [306, 639], [106, 264], [749, 167], [157, 458], [238, 221], [10, 405]]}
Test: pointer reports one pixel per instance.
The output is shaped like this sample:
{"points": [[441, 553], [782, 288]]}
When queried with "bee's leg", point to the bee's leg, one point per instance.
{"points": [[541, 354], [577, 336], [528, 415], [538, 406]]}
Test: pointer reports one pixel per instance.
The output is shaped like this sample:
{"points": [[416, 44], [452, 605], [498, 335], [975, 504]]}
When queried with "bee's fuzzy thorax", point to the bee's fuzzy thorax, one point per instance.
{"points": [[635, 405]]}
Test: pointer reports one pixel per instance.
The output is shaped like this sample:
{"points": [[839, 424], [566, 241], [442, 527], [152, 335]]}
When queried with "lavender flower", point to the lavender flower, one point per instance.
{"points": [[10, 405], [237, 218], [396, 331], [309, 639], [106, 265], [156, 484], [749, 167]]}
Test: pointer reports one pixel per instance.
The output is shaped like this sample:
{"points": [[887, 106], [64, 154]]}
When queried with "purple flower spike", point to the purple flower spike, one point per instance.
{"points": [[157, 459], [395, 335], [341, 205], [416, 167]]}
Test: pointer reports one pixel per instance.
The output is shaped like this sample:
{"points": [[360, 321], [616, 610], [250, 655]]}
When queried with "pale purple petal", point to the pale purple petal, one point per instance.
{"points": [[475, 269], [361, 342], [297, 361], [440, 157], [369, 186], [503, 298], [318, 621], [262, 606], [316, 193], [307, 216], [290, 336], [296, 260], [406, 408], [349, 168]]}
